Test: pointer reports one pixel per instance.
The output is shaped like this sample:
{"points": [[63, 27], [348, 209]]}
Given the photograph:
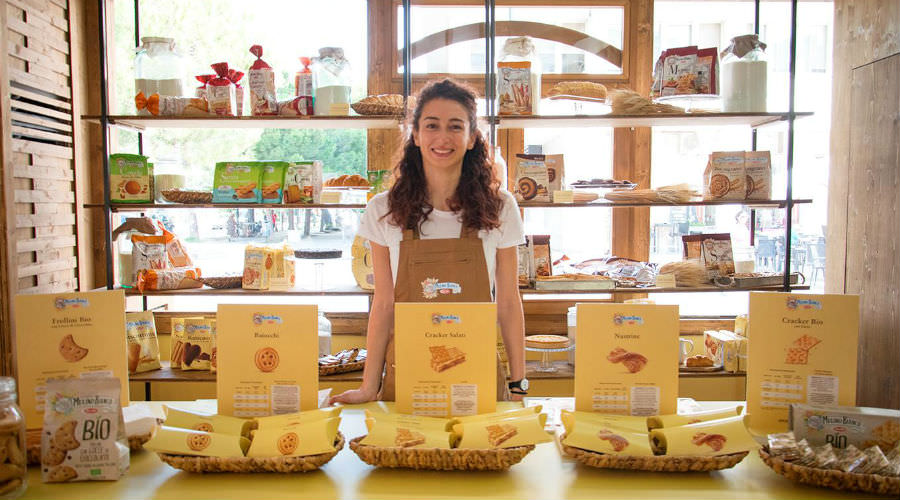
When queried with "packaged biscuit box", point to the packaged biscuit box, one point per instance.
{"points": [[446, 358], [758, 172], [532, 178], [303, 182], [238, 182], [70, 335], [273, 181], [258, 263], [199, 339], [176, 354], [713, 437], [725, 348], [130, 179], [268, 359], [724, 177], [143, 345], [83, 438], [282, 275], [180, 441], [389, 430], [804, 350], [841, 426], [627, 359], [296, 440]]}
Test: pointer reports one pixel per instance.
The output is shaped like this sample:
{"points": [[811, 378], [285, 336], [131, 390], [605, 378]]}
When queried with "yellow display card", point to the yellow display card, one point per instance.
{"points": [[297, 440], [405, 431], [523, 430], [446, 358], [599, 436], [634, 424], [715, 437], [68, 335], [626, 360], [191, 442], [803, 351], [267, 359], [662, 421], [219, 424], [302, 417]]}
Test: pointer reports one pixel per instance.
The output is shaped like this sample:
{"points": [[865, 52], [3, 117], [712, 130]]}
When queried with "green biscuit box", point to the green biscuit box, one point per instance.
{"points": [[239, 181], [273, 181], [130, 179]]}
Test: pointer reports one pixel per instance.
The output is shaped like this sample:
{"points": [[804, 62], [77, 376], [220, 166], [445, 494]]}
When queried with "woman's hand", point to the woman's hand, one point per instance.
{"points": [[516, 397], [353, 396]]}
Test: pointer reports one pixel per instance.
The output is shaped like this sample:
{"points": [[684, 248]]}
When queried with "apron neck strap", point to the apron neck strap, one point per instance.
{"points": [[468, 232], [410, 234]]}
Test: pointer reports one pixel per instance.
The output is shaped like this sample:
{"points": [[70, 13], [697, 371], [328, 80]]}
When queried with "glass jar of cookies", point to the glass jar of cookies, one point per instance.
{"points": [[12, 442]]}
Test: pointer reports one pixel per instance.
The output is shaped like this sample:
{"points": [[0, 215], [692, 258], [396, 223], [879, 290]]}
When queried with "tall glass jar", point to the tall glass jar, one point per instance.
{"points": [[744, 75], [332, 79], [324, 335], [158, 69], [12, 435]]}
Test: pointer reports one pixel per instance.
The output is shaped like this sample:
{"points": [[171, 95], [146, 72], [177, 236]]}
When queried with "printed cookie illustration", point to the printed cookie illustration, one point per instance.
{"points": [[751, 187], [806, 342], [61, 474], [444, 358], [288, 442], [191, 352], [406, 438], [618, 442], [632, 361], [134, 357], [70, 351], [551, 174], [198, 442], [204, 426], [527, 187], [719, 185], [714, 441], [53, 456], [178, 352], [64, 437], [500, 433], [266, 359], [214, 361], [796, 356]]}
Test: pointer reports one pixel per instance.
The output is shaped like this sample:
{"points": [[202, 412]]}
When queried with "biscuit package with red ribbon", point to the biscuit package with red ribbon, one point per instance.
{"points": [[167, 105], [261, 80], [220, 92], [83, 438], [235, 77]]}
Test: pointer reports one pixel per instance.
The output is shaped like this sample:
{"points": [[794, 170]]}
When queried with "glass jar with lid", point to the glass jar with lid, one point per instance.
{"points": [[332, 79], [324, 334], [158, 69], [12, 433], [744, 75]]}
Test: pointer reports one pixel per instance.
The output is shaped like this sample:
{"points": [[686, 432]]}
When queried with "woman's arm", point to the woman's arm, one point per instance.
{"points": [[509, 310], [381, 319]]}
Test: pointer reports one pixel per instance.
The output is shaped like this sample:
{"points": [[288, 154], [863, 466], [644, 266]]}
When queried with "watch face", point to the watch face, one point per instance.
{"points": [[524, 384]]}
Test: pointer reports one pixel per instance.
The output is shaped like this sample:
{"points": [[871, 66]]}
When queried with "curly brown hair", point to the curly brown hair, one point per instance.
{"points": [[477, 196]]}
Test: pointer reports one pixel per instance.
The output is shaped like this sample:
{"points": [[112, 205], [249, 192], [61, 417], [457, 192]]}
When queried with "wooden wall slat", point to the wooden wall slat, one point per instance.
{"points": [[45, 267], [40, 134], [36, 120], [39, 82], [33, 56], [29, 147], [36, 244], [60, 287], [44, 196], [39, 172], [34, 96], [45, 220], [52, 113]]}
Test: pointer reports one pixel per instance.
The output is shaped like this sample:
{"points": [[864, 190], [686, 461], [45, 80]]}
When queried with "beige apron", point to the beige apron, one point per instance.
{"points": [[457, 260]]}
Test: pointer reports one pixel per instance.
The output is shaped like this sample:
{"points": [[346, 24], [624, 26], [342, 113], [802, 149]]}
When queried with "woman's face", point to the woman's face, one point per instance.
{"points": [[443, 134]]}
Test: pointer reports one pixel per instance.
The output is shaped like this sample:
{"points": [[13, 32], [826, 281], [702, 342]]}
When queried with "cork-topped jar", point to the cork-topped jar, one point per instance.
{"points": [[12, 442]]}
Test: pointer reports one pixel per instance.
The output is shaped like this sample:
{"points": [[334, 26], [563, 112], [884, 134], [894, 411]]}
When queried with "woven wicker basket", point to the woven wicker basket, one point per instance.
{"points": [[344, 368], [439, 459], [187, 197], [834, 479], [222, 281], [660, 463], [249, 464], [383, 105], [33, 450]]}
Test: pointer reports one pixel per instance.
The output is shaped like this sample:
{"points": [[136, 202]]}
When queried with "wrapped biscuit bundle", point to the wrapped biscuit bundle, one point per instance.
{"points": [[166, 105], [714, 437], [261, 80], [492, 432], [235, 77], [604, 436], [200, 92], [635, 424], [220, 424], [179, 441], [662, 421], [220, 91], [389, 430], [784, 446], [303, 417], [298, 106], [296, 440], [500, 415], [149, 280]]}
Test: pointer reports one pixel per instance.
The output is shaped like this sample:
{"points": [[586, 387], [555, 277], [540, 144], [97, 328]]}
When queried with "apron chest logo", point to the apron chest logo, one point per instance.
{"points": [[432, 287]]}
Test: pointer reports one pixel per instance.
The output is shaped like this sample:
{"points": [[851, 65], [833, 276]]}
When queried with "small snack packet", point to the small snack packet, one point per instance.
{"points": [[168, 279], [297, 440], [149, 252], [303, 182], [634, 424], [850, 459], [609, 439], [758, 174], [282, 273], [725, 177], [180, 441], [176, 251], [826, 458], [261, 80], [807, 455], [130, 179], [220, 424], [390, 430], [297, 106], [875, 461], [238, 182], [303, 417], [198, 342], [143, 345], [893, 467], [784, 446], [220, 91], [235, 77], [706, 69], [522, 430], [83, 437], [167, 105], [258, 262], [661, 421], [714, 437], [200, 92], [273, 181]]}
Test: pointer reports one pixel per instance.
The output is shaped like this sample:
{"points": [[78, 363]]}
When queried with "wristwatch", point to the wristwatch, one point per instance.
{"points": [[519, 386]]}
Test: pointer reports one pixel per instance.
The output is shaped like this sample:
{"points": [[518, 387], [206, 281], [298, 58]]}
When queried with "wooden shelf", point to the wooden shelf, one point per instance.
{"points": [[141, 123], [141, 207], [599, 203], [623, 290], [690, 119], [240, 291]]}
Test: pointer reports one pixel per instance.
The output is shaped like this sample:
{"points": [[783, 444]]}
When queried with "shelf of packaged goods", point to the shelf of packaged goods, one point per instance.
{"points": [[167, 374], [240, 291], [142, 207], [141, 123], [748, 203], [624, 290], [659, 120]]}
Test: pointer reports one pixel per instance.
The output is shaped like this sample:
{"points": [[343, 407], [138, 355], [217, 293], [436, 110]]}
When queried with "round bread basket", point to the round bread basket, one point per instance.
{"points": [[660, 463], [249, 464], [187, 197], [833, 479], [344, 368], [439, 459]]}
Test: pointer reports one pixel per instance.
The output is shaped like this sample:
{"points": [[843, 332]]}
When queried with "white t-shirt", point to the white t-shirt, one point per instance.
{"points": [[442, 224]]}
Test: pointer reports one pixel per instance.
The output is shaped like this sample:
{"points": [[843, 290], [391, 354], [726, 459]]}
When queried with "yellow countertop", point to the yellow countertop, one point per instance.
{"points": [[544, 473]]}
